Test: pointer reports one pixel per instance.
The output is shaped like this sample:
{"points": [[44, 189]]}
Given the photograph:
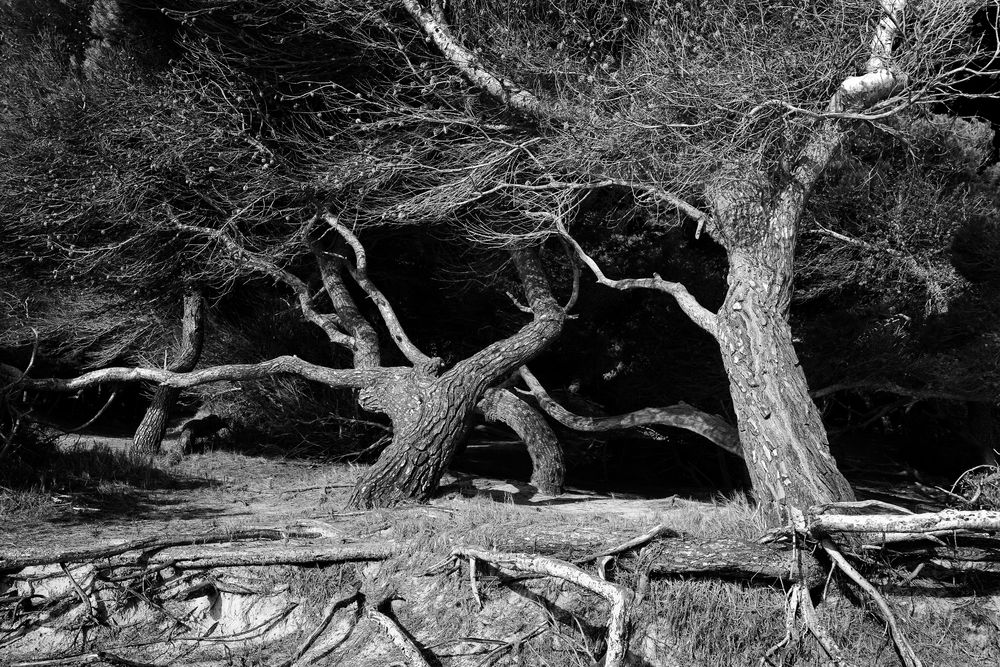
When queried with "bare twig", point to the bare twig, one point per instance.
{"points": [[84, 598]]}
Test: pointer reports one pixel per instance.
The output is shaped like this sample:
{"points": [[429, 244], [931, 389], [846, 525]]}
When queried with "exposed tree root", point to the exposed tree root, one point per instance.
{"points": [[906, 653], [329, 612], [618, 597], [413, 655]]}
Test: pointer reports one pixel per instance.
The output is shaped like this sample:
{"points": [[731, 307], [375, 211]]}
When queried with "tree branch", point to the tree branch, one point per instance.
{"points": [[700, 315], [360, 275], [433, 24], [328, 323], [290, 365], [682, 416]]}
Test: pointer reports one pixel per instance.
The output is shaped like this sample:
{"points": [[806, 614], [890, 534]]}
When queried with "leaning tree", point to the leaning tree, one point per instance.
{"points": [[727, 114]]}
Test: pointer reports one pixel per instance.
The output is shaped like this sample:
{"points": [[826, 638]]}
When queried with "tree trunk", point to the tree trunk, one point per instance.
{"points": [[153, 426], [784, 441], [548, 470], [431, 415]]}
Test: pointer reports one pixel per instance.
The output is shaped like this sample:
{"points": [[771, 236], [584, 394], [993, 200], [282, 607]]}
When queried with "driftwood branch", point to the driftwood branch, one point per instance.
{"points": [[683, 416], [619, 598], [929, 522]]}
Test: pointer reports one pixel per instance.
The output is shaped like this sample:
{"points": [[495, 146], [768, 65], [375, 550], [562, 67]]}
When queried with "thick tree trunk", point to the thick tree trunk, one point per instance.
{"points": [[784, 441], [548, 470], [150, 433], [431, 415]]}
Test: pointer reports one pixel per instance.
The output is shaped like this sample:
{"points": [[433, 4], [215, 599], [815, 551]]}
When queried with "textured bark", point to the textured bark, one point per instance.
{"points": [[548, 470], [431, 415], [784, 441], [682, 415], [149, 435]]}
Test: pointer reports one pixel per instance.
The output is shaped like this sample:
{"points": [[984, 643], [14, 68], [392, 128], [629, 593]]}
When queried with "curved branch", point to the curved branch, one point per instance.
{"points": [[360, 275], [286, 365], [698, 314], [432, 23], [498, 359], [328, 323], [682, 416], [548, 470]]}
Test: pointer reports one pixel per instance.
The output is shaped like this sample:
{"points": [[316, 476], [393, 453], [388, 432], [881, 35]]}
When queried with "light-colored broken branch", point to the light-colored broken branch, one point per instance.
{"points": [[619, 598]]}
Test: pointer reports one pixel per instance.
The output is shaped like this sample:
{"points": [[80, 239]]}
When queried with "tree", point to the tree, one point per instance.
{"points": [[275, 111]]}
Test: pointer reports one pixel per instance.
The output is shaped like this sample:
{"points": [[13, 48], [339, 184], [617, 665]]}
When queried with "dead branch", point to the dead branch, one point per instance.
{"points": [[906, 653], [682, 415], [618, 597], [398, 637], [929, 522], [147, 545], [287, 554], [82, 594], [97, 657]]}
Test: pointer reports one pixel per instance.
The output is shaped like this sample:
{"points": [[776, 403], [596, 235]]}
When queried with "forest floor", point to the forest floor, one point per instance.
{"points": [[214, 604]]}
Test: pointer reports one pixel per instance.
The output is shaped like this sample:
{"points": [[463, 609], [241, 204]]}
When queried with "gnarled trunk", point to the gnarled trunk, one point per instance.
{"points": [[548, 469], [431, 415], [784, 441], [149, 435]]}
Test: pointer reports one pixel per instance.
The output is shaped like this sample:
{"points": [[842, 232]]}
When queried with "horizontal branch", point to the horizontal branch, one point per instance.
{"points": [[286, 365], [929, 522], [682, 415]]}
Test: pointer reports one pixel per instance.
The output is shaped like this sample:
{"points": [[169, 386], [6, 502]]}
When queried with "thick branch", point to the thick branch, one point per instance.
{"points": [[854, 93], [327, 323], [432, 23], [700, 315], [366, 347], [286, 365], [548, 469], [930, 522], [498, 359], [682, 415], [360, 274]]}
